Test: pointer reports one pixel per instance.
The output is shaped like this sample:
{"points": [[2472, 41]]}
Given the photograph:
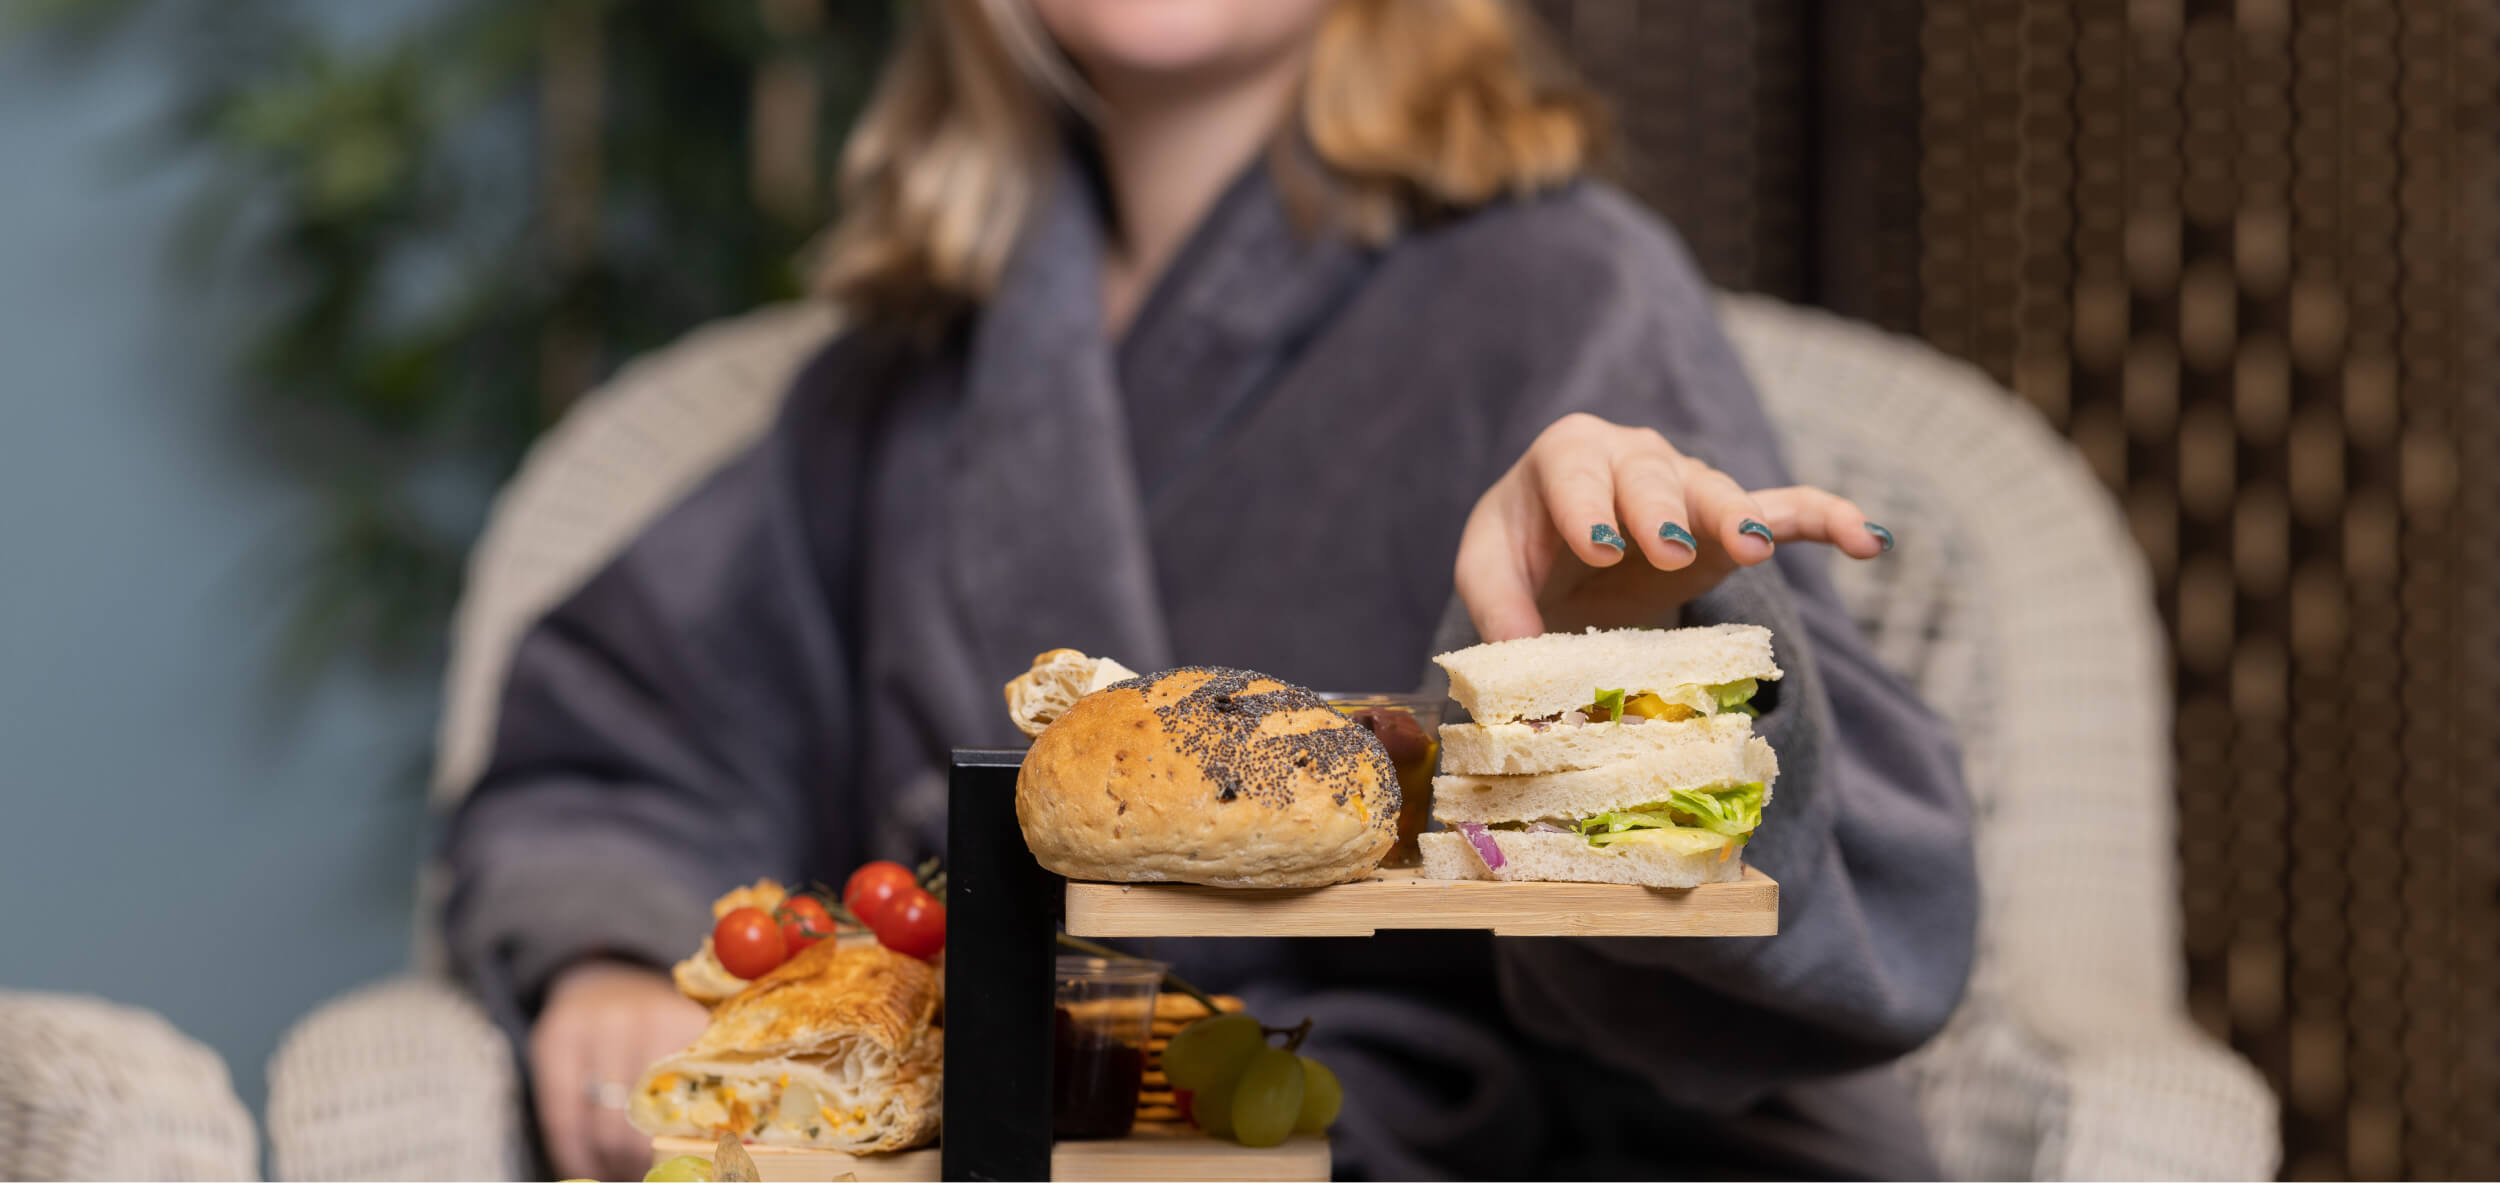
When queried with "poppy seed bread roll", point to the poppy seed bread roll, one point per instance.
{"points": [[1207, 775]]}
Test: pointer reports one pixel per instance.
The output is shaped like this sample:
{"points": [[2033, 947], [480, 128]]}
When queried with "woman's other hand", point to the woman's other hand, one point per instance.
{"points": [[1547, 547], [604, 1022]]}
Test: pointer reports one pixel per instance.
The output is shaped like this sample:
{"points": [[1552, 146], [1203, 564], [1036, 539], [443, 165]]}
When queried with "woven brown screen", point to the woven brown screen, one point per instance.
{"points": [[2243, 254]]}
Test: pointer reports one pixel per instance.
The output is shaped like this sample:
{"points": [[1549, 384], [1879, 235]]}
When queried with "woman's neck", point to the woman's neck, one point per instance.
{"points": [[1170, 152]]}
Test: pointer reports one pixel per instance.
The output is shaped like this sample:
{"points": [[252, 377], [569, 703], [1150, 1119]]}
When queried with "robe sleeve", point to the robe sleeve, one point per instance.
{"points": [[1869, 829], [677, 727]]}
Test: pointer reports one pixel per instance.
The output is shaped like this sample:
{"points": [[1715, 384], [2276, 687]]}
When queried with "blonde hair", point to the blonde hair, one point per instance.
{"points": [[1411, 110]]}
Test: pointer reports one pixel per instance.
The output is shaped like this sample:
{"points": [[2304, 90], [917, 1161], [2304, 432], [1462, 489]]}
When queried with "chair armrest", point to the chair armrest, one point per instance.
{"points": [[93, 1090], [2181, 1107], [403, 1079], [2002, 1100]]}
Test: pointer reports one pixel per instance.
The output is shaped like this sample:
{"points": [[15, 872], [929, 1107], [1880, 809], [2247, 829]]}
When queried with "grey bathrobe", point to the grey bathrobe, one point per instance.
{"points": [[1270, 470]]}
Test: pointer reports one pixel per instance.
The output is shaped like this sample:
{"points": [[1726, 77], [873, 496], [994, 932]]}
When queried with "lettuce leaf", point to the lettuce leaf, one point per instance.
{"points": [[1735, 697], [1610, 703], [1680, 839], [1734, 811], [1628, 819]]}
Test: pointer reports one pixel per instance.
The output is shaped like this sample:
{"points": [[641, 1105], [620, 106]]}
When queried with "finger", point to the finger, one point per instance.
{"points": [[622, 1054], [679, 1022], [1577, 486], [557, 1084], [623, 1152], [1805, 513], [1495, 576], [1649, 495], [1726, 516]]}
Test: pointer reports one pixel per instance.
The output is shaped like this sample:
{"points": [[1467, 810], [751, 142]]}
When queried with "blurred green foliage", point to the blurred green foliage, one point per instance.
{"points": [[377, 194]]}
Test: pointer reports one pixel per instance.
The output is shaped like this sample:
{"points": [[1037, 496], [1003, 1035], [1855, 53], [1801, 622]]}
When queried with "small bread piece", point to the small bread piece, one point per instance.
{"points": [[703, 978], [1735, 760], [1206, 775], [1534, 677], [1038, 696], [1568, 858], [767, 894], [1528, 749]]}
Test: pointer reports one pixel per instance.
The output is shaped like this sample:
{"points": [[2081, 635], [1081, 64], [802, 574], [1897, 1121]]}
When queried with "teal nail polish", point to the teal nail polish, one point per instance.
{"points": [[1604, 535], [1678, 535], [1757, 529], [1881, 534]]}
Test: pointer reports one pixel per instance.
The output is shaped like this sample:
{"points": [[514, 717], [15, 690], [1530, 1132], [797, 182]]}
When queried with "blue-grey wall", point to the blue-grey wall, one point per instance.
{"points": [[169, 838]]}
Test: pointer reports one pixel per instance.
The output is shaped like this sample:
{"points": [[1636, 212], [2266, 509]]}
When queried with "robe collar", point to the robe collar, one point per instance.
{"points": [[1051, 521]]}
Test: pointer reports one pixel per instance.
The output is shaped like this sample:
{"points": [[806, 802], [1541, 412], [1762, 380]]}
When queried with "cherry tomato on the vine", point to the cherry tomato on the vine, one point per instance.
{"points": [[914, 925], [804, 921], [875, 885], [748, 943]]}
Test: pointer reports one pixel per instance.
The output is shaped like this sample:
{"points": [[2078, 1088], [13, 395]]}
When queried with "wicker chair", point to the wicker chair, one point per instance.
{"points": [[94, 1090], [2015, 597], [2020, 609], [408, 1079]]}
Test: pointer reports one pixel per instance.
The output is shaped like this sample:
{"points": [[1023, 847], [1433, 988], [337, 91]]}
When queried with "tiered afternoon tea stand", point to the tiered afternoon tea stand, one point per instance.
{"points": [[1003, 915]]}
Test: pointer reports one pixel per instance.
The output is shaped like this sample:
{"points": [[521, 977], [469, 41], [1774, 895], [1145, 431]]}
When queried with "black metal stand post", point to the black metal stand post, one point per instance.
{"points": [[1002, 916]]}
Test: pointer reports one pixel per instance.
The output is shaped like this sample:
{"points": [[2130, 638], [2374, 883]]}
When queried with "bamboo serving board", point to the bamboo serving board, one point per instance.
{"points": [[1403, 899], [1150, 1153]]}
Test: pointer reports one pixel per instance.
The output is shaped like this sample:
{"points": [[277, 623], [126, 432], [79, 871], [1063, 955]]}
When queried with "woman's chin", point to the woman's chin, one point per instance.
{"points": [[1163, 43]]}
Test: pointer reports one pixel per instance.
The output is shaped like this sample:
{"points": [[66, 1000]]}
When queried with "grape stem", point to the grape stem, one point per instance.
{"points": [[1173, 980], [1294, 1035]]}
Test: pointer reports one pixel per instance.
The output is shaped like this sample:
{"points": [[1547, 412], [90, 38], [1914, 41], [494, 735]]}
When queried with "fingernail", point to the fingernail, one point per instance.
{"points": [[1881, 534], [1757, 529], [1604, 535], [1677, 535]]}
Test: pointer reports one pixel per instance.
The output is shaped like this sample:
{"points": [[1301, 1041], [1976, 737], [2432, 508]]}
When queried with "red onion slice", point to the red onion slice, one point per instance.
{"points": [[1483, 842]]}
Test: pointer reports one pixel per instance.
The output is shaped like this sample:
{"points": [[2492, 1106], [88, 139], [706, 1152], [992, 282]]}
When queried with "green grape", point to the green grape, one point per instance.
{"points": [[685, 1168], [1212, 1107], [1322, 1096], [1211, 1050], [1268, 1099]]}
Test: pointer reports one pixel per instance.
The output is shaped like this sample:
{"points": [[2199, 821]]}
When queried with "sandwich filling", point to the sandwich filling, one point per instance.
{"points": [[1689, 820], [1673, 705]]}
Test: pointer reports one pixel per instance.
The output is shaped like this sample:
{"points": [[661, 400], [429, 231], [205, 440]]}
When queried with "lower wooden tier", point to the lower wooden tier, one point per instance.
{"points": [[1402, 899], [1150, 1153]]}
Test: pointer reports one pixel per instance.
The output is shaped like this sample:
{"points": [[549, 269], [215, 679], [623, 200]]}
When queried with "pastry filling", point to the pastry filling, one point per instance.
{"points": [[746, 1106]]}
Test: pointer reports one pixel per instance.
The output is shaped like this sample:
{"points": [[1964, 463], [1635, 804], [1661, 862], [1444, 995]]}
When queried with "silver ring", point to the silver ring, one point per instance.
{"points": [[609, 1094]]}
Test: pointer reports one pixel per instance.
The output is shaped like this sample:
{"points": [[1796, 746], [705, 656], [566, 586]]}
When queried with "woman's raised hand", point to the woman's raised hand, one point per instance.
{"points": [[1548, 546]]}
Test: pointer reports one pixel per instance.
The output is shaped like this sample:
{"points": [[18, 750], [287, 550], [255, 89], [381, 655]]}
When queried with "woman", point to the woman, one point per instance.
{"points": [[1210, 332]]}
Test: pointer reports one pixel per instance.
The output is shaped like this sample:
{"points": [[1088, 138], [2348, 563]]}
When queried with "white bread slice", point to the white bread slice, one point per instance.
{"points": [[1586, 792], [1526, 749], [1533, 677], [1038, 696], [1569, 858]]}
